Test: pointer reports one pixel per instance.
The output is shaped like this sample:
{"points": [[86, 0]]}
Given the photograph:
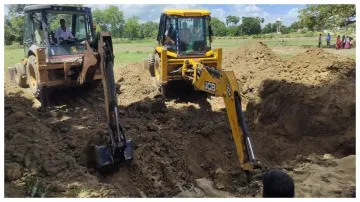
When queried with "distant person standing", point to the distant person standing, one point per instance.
{"points": [[347, 43], [277, 184], [319, 40], [338, 42], [351, 41], [343, 42], [328, 38]]}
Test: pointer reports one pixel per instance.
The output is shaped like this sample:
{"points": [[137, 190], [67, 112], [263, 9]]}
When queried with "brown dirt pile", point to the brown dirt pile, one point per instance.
{"points": [[323, 176], [46, 150], [180, 141], [174, 144], [310, 98]]}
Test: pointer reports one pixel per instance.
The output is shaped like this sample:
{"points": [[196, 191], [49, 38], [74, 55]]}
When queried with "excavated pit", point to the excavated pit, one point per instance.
{"points": [[293, 108]]}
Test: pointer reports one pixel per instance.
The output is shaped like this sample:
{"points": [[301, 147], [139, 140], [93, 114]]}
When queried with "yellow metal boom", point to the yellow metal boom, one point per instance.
{"points": [[223, 83]]}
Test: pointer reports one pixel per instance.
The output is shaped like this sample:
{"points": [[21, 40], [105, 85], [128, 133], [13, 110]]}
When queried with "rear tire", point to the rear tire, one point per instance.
{"points": [[33, 77]]}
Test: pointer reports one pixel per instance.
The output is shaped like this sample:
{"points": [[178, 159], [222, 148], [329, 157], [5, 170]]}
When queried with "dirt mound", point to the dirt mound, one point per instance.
{"points": [[252, 64], [310, 98], [168, 158], [317, 67], [135, 83], [46, 146], [180, 141], [255, 54], [324, 176]]}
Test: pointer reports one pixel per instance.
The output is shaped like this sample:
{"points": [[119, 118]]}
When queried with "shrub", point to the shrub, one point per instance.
{"points": [[309, 34]]}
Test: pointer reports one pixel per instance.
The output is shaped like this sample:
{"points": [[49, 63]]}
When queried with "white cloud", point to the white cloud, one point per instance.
{"points": [[291, 16], [6, 9]]}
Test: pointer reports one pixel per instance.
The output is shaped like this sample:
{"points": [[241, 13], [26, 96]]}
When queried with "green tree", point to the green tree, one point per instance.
{"points": [[16, 9], [149, 29], [98, 17], [110, 19], [250, 25], [273, 27], [294, 26], [132, 27], [218, 27], [8, 34], [267, 29], [284, 29], [317, 17], [232, 20], [233, 30], [14, 22]]}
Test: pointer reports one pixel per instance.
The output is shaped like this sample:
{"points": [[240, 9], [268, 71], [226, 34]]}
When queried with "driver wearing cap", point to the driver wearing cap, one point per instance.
{"points": [[63, 33]]}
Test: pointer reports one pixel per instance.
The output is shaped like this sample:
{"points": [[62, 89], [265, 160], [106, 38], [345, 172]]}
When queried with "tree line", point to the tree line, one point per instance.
{"points": [[313, 17]]}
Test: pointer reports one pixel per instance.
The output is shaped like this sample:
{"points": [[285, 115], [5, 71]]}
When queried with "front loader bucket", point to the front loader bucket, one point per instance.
{"points": [[17, 75], [107, 158], [11, 73]]}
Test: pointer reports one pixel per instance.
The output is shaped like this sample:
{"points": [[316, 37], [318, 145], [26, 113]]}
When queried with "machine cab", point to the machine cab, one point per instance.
{"points": [[43, 21], [185, 32]]}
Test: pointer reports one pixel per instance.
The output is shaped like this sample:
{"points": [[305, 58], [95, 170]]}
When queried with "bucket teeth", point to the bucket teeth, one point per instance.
{"points": [[104, 156]]}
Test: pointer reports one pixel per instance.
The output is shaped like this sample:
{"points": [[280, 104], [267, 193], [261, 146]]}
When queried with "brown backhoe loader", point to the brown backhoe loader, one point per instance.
{"points": [[86, 59]]}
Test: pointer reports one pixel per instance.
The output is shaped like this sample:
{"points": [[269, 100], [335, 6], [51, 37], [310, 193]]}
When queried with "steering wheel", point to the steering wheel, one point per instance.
{"points": [[68, 42]]}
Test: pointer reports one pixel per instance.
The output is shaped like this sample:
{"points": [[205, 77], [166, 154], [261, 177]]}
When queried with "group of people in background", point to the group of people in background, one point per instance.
{"points": [[344, 42]]}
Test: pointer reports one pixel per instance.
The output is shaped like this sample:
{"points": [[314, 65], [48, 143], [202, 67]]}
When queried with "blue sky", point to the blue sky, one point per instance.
{"points": [[270, 12]]}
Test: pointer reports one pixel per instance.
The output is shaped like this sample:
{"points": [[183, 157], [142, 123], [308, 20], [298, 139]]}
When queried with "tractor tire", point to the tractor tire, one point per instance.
{"points": [[151, 64], [20, 75], [32, 76]]}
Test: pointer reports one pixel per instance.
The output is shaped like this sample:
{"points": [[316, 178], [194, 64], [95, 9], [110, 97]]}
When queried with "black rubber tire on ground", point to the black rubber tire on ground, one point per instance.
{"points": [[151, 64], [33, 76], [20, 75]]}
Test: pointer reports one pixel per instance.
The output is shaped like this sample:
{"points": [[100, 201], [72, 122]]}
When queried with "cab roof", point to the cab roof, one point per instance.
{"points": [[57, 8], [187, 12]]}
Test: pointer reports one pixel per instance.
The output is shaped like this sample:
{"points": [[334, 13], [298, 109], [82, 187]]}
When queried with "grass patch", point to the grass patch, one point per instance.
{"points": [[124, 58], [137, 50], [12, 56]]}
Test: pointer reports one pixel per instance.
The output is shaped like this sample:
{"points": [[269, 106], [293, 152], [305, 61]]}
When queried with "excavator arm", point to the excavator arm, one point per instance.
{"points": [[118, 149], [223, 84]]}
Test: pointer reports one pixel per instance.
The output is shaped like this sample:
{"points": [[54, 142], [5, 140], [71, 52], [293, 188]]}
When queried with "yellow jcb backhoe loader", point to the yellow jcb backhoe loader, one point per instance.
{"points": [[184, 53]]}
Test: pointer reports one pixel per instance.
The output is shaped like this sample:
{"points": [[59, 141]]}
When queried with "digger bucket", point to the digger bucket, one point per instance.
{"points": [[107, 157], [17, 75], [11, 73]]}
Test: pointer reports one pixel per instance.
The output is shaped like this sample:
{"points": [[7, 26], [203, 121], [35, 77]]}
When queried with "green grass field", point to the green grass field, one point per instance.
{"points": [[134, 51]]}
